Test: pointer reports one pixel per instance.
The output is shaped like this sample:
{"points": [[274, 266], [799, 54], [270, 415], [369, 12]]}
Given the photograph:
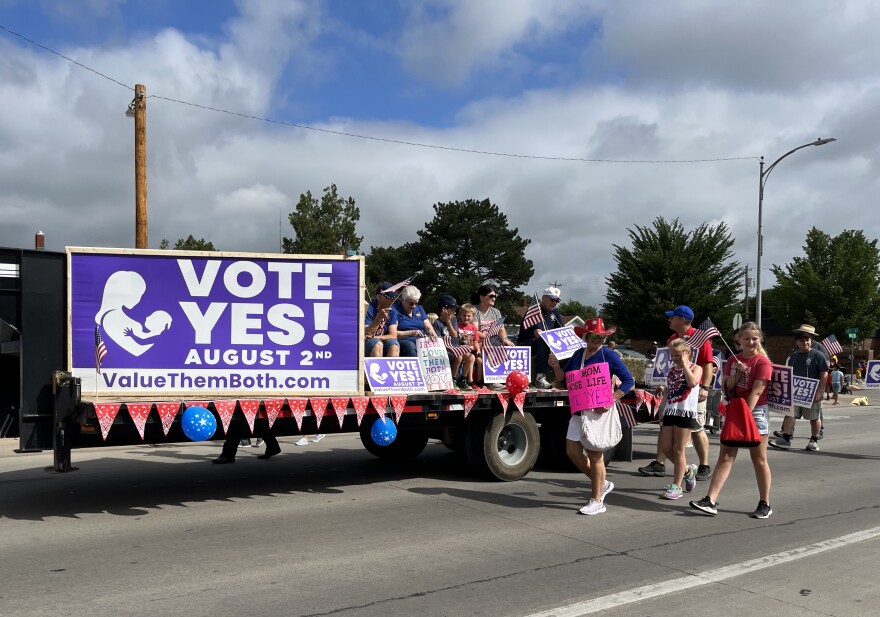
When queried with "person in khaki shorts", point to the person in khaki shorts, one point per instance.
{"points": [[680, 322], [807, 361]]}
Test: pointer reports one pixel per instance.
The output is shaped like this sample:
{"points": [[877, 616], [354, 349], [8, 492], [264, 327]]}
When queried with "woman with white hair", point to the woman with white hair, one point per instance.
{"points": [[412, 322]]}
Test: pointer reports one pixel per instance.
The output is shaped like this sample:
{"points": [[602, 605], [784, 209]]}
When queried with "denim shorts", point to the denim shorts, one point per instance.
{"points": [[761, 414]]}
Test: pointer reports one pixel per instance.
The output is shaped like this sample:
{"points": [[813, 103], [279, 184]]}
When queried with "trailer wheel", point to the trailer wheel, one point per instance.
{"points": [[504, 447], [408, 445]]}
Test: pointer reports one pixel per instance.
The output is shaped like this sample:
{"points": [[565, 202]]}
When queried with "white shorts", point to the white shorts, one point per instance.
{"points": [[575, 429]]}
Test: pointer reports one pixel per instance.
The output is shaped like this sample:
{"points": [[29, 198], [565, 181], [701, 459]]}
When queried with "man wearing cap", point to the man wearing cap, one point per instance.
{"points": [[680, 320], [380, 325], [550, 318], [805, 362], [447, 325]]}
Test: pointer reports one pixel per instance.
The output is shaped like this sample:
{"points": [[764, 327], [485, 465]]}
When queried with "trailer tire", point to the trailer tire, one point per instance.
{"points": [[407, 445], [502, 446]]}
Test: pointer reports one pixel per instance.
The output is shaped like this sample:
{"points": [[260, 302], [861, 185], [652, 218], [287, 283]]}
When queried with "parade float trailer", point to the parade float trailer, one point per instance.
{"points": [[106, 347]]}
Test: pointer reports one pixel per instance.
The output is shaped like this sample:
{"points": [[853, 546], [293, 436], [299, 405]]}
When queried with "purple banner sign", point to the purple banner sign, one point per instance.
{"points": [[175, 322], [394, 375]]}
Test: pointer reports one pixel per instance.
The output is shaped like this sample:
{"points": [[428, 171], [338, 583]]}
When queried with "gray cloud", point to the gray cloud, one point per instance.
{"points": [[66, 162]]}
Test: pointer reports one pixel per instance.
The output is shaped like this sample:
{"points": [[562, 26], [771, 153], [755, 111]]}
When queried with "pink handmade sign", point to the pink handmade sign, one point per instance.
{"points": [[590, 387]]}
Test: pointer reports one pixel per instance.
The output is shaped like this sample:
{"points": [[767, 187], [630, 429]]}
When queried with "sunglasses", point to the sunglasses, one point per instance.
{"points": [[595, 337], [412, 303], [491, 295], [554, 300]]}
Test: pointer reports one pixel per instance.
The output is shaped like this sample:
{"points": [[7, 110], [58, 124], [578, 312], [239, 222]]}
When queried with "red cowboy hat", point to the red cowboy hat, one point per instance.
{"points": [[594, 325]]}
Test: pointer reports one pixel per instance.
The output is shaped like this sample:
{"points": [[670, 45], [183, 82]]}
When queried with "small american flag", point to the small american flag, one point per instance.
{"points": [[452, 346], [100, 349], [702, 334], [831, 345], [627, 416], [533, 315], [496, 355], [404, 283]]}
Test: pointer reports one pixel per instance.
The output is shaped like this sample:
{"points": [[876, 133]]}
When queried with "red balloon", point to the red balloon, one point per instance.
{"points": [[517, 382]]}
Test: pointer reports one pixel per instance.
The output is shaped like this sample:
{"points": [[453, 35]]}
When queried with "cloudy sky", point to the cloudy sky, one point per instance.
{"points": [[603, 81]]}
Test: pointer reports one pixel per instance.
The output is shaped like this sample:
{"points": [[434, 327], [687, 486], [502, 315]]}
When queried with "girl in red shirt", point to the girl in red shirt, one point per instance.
{"points": [[746, 375]]}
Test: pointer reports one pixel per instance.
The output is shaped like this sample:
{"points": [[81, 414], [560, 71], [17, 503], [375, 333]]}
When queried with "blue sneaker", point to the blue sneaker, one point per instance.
{"points": [[672, 492], [690, 478]]}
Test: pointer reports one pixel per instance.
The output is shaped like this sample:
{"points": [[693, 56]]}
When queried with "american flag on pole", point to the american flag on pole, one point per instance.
{"points": [[831, 345], [533, 314], [459, 351], [404, 283], [496, 355], [100, 349], [702, 334], [627, 416]]}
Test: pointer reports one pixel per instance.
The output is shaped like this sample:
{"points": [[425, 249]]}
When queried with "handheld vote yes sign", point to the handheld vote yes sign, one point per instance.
{"points": [[662, 363], [563, 342]]}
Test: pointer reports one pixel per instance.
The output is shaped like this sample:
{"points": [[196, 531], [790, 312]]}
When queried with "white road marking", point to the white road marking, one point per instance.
{"points": [[690, 581]]}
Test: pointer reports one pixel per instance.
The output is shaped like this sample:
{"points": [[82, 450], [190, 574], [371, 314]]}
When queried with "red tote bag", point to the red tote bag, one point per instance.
{"points": [[740, 430]]}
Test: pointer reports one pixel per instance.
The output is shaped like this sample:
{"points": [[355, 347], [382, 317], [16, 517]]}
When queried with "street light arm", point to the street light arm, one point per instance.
{"points": [[762, 180], [818, 142]]}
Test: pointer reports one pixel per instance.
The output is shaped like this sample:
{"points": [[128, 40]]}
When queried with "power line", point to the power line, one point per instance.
{"points": [[384, 139]]}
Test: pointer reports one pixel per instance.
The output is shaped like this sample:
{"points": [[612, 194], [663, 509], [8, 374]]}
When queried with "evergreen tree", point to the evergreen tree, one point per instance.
{"points": [[667, 266], [323, 228], [468, 244], [835, 286]]}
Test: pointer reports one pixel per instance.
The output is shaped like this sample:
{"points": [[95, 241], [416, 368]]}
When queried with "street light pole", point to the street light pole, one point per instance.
{"points": [[762, 181]]}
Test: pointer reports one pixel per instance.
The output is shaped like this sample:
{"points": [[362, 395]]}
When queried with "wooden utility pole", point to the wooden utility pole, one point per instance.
{"points": [[140, 166]]}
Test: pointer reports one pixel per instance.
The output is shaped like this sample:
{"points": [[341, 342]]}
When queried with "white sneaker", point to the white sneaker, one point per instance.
{"points": [[542, 383], [302, 442], [318, 438], [607, 488], [593, 508]]}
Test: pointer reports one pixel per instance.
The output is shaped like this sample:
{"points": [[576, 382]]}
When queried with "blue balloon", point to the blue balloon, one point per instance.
{"points": [[383, 432], [198, 423]]}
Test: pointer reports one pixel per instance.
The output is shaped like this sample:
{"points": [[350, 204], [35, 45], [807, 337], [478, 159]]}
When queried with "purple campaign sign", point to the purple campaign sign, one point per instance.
{"points": [[872, 374], [174, 322], [779, 389], [563, 342], [662, 363], [518, 359], [394, 375]]}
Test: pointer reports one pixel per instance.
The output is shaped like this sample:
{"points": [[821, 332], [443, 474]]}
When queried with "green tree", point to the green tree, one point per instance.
{"points": [[189, 244], [667, 266], [326, 227], [575, 307], [390, 263], [468, 244], [835, 286]]}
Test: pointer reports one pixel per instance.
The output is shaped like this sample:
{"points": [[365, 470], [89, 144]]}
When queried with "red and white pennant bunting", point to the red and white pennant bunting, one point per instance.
{"points": [[225, 409], [168, 412], [106, 413], [273, 409], [250, 407], [298, 409], [139, 413], [360, 404]]}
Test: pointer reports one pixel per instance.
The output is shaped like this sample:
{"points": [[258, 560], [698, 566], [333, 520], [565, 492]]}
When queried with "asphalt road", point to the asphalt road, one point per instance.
{"points": [[327, 529]]}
